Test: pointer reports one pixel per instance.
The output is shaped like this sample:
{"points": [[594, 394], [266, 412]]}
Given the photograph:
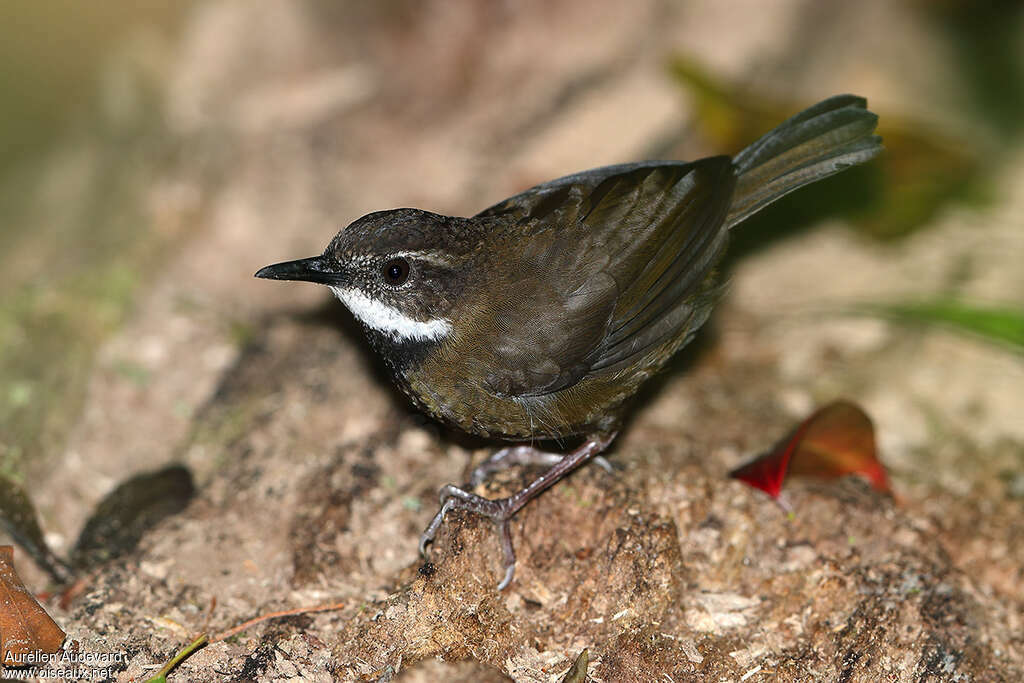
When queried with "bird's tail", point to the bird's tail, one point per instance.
{"points": [[830, 136]]}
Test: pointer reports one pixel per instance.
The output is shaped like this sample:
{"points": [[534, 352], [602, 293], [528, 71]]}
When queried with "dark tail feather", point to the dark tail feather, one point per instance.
{"points": [[818, 142]]}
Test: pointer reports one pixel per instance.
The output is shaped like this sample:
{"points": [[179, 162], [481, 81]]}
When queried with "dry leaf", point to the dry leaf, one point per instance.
{"points": [[837, 440], [25, 627]]}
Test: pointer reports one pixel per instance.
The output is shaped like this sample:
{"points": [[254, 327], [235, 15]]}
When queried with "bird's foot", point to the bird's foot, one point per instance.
{"points": [[522, 455], [502, 510]]}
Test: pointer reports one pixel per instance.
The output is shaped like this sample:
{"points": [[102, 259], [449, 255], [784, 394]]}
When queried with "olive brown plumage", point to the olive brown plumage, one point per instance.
{"points": [[538, 317]]}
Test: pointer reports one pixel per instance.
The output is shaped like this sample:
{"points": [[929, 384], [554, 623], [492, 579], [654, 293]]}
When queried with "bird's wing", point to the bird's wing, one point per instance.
{"points": [[610, 264]]}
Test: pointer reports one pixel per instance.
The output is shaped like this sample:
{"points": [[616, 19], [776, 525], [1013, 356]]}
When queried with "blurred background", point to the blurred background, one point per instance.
{"points": [[156, 153]]}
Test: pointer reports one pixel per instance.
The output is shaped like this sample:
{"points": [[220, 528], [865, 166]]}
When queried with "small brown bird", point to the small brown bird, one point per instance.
{"points": [[538, 317]]}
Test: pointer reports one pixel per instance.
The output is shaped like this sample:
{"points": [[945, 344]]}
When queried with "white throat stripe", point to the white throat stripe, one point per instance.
{"points": [[389, 320]]}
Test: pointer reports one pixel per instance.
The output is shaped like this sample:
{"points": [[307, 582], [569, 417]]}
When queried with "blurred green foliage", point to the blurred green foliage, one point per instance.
{"points": [[986, 38], [922, 170], [1003, 326], [77, 239], [52, 55], [47, 337], [919, 172]]}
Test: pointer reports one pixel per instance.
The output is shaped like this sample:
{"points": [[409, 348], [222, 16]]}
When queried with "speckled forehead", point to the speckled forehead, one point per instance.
{"points": [[374, 259]]}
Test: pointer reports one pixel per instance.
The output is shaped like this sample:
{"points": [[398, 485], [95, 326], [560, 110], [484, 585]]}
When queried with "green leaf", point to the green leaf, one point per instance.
{"points": [[577, 673], [161, 675], [1000, 325]]}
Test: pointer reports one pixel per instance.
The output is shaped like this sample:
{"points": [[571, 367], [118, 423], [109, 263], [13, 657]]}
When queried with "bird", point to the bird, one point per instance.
{"points": [[537, 319]]}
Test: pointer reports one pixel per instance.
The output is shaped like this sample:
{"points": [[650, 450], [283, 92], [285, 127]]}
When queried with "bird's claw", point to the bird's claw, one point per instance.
{"points": [[500, 511]]}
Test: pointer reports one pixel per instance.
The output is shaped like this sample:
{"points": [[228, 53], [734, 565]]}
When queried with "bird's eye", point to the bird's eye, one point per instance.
{"points": [[396, 271]]}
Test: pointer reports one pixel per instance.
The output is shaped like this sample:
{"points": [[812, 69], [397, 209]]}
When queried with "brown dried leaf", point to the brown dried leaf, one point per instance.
{"points": [[25, 627]]}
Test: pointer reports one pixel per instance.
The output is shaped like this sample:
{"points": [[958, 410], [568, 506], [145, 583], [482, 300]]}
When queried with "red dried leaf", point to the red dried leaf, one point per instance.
{"points": [[836, 440], [25, 627]]}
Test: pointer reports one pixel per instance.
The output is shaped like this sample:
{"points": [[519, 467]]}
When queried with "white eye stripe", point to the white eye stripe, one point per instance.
{"points": [[428, 256], [389, 320]]}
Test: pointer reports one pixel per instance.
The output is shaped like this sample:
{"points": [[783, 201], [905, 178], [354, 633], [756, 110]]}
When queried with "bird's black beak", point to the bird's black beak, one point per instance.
{"points": [[320, 269]]}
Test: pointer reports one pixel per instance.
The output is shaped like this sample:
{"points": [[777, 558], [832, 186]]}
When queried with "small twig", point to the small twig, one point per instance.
{"points": [[223, 635], [71, 592], [209, 615]]}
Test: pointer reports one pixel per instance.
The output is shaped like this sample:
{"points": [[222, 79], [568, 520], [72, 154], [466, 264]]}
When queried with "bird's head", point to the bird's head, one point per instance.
{"points": [[401, 272]]}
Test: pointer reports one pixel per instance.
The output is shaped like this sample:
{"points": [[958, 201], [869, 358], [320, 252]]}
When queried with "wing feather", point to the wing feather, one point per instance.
{"points": [[612, 263]]}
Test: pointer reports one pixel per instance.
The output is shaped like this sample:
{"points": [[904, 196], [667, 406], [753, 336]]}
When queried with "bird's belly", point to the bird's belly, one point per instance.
{"points": [[589, 406], [462, 404]]}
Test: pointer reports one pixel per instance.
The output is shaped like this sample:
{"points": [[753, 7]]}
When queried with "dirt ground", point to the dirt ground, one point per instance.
{"points": [[315, 477]]}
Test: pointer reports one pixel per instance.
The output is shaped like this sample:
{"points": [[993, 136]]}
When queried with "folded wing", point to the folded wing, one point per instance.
{"points": [[624, 254]]}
